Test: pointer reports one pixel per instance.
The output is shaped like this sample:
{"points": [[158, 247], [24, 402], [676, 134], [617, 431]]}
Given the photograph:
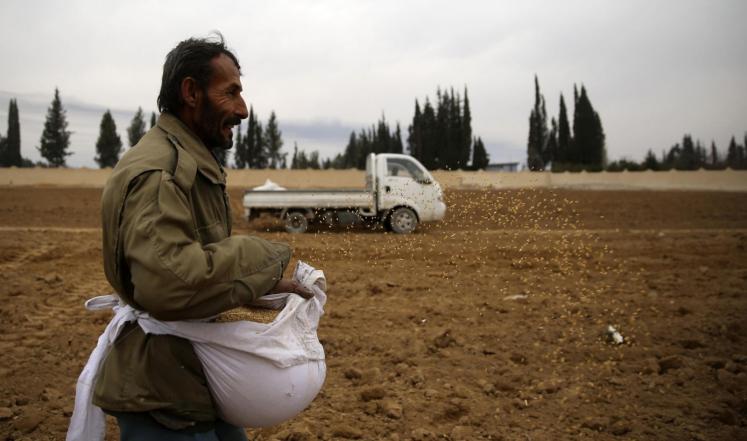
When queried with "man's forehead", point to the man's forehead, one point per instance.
{"points": [[224, 69]]}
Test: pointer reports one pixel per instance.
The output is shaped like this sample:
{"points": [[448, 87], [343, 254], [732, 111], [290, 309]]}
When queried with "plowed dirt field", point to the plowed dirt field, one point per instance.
{"points": [[489, 325]]}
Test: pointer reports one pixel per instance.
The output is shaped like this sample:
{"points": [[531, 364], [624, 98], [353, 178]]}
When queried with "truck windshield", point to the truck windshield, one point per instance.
{"points": [[404, 168]]}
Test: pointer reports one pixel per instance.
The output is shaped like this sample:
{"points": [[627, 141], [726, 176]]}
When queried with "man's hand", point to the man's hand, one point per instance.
{"points": [[287, 285]]}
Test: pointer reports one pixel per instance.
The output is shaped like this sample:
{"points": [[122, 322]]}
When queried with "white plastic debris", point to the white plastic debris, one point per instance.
{"points": [[516, 297], [613, 336]]}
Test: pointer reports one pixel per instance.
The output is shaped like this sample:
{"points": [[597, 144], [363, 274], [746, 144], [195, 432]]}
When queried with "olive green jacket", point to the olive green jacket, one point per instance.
{"points": [[168, 250]]}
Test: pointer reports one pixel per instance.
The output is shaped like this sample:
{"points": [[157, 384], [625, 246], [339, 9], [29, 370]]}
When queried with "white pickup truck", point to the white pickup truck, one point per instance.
{"points": [[400, 193]]}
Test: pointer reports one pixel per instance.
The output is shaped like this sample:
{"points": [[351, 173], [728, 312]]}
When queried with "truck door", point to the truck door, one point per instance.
{"points": [[404, 182]]}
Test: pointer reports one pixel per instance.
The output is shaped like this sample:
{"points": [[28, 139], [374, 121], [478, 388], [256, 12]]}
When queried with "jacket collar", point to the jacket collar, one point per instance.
{"points": [[206, 162]]}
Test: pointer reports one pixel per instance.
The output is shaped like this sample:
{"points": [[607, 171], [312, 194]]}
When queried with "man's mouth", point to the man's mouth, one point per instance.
{"points": [[228, 126]]}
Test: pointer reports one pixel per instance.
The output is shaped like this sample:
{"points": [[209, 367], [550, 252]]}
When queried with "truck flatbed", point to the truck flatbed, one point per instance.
{"points": [[310, 198]]}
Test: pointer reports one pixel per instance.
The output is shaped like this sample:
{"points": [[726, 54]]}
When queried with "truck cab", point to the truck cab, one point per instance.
{"points": [[404, 188]]}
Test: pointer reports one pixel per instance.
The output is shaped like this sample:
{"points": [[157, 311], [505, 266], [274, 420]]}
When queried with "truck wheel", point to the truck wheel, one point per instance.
{"points": [[296, 222], [403, 220]]}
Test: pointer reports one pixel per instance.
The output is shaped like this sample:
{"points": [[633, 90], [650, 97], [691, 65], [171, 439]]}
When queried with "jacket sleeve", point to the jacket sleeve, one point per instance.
{"points": [[174, 276]]}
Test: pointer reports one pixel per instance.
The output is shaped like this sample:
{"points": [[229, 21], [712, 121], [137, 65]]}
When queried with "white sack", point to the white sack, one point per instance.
{"points": [[252, 392], [269, 185], [259, 374]]}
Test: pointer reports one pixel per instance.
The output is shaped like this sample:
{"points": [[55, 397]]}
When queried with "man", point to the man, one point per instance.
{"points": [[168, 250]]}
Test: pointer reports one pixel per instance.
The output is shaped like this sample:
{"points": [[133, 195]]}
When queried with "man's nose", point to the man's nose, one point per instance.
{"points": [[240, 110]]}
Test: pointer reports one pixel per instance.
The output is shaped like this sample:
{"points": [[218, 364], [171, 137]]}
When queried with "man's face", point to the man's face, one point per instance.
{"points": [[222, 106]]}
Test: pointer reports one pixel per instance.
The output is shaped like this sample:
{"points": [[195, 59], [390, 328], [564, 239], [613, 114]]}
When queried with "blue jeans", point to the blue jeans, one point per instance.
{"points": [[142, 427]]}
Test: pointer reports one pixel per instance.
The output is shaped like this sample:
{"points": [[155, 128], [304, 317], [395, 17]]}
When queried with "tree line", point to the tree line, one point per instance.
{"points": [[109, 144], [440, 136], [259, 147], [54, 143], [689, 155], [563, 147]]}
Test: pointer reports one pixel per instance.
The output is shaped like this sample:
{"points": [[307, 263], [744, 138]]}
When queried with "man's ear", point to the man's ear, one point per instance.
{"points": [[190, 92]]}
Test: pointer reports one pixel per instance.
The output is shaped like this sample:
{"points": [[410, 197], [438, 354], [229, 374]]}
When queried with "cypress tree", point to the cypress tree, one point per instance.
{"points": [[466, 132], [537, 131], [415, 135], [239, 147], [136, 130], [480, 158], [455, 142], [365, 142], [687, 157], [672, 157], [352, 151], [381, 137], [733, 155], [239, 137], [109, 144], [564, 135], [700, 155], [588, 135], [714, 154], [258, 156], [650, 162], [294, 158], [245, 153], [303, 161], [3, 147], [55, 139], [550, 149], [440, 140], [152, 119], [452, 140], [11, 155], [273, 141], [396, 141], [430, 135], [313, 161]]}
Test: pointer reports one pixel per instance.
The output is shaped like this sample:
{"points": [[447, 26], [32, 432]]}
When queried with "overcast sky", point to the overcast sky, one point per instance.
{"points": [[654, 70]]}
